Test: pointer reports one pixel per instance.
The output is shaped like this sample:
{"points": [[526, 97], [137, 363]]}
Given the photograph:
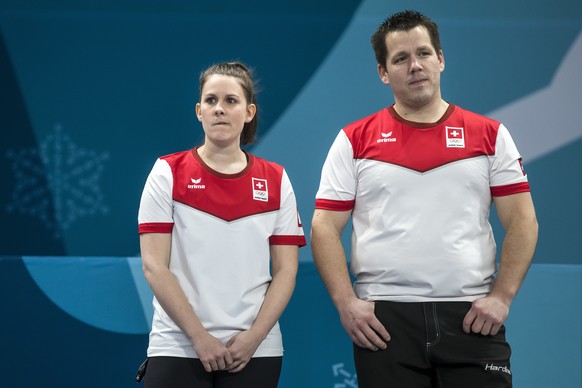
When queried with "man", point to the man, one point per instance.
{"points": [[417, 179]]}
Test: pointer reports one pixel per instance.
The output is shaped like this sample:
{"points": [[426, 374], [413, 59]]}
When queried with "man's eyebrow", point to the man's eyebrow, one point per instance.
{"points": [[426, 47], [398, 53]]}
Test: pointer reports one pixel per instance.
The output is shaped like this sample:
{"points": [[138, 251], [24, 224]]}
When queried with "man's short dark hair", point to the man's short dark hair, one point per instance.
{"points": [[403, 21]]}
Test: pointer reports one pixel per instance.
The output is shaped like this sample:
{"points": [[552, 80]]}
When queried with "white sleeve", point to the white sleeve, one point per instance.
{"points": [[156, 205], [338, 176], [288, 220], [506, 168]]}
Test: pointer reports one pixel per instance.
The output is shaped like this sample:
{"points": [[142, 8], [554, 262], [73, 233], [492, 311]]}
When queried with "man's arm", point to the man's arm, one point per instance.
{"points": [[517, 215], [357, 316]]}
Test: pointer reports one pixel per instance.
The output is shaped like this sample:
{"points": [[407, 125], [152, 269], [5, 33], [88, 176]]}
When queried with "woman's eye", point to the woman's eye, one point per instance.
{"points": [[210, 100]]}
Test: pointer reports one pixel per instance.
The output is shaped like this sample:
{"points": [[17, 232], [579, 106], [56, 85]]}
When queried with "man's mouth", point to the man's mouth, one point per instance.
{"points": [[417, 81]]}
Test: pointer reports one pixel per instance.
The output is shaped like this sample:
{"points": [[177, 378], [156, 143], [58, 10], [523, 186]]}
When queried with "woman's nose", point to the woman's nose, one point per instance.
{"points": [[218, 110]]}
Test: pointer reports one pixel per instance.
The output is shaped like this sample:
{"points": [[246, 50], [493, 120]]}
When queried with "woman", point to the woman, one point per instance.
{"points": [[219, 235]]}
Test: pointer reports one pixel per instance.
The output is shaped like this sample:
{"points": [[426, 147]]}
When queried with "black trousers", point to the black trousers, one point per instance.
{"points": [[178, 372], [429, 349]]}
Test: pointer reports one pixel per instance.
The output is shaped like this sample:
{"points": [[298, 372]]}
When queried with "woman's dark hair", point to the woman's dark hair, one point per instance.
{"points": [[403, 21], [245, 76]]}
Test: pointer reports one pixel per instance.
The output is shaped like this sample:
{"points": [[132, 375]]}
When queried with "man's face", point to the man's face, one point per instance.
{"points": [[412, 68]]}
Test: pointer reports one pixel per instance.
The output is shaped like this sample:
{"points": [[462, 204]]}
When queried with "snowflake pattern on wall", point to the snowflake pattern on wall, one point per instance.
{"points": [[62, 171]]}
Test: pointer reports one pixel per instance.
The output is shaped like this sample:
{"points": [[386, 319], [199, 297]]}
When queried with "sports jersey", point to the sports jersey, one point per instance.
{"points": [[420, 196], [222, 226]]}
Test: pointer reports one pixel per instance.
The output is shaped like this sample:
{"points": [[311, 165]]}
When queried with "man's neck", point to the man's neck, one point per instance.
{"points": [[427, 114]]}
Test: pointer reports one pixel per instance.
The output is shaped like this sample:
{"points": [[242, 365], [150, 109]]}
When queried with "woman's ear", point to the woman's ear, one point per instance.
{"points": [[251, 112], [198, 112]]}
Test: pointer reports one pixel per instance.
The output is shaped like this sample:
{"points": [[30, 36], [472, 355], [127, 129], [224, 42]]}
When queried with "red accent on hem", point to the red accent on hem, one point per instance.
{"points": [[335, 205], [155, 227], [502, 191], [288, 240]]}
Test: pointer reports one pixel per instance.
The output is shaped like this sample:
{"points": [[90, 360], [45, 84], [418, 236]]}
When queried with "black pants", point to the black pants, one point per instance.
{"points": [[178, 372], [429, 349]]}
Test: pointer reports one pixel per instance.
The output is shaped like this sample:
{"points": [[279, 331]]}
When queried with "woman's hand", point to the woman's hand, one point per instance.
{"points": [[242, 347], [212, 353]]}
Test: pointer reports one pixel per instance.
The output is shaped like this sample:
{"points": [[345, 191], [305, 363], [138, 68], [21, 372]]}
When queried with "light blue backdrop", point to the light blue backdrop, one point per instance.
{"points": [[92, 92]]}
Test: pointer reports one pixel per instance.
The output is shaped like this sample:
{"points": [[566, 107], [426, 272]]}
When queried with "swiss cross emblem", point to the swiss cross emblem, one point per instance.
{"points": [[455, 137], [260, 190]]}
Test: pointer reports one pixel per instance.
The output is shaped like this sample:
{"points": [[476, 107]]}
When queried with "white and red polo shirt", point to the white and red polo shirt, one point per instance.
{"points": [[222, 228], [420, 196]]}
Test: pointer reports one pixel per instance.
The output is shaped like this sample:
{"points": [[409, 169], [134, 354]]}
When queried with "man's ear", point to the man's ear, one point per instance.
{"points": [[383, 74], [441, 61]]}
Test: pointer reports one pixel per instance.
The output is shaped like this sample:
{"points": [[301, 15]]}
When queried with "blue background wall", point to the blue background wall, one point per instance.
{"points": [[92, 92]]}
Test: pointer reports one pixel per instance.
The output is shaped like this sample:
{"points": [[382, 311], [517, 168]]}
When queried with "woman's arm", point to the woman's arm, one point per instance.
{"points": [[155, 251], [284, 265]]}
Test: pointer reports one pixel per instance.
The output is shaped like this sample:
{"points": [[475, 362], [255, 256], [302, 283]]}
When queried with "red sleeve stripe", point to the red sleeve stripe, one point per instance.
{"points": [[501, 191], [329, 204], [288, 240], [156, 227]]}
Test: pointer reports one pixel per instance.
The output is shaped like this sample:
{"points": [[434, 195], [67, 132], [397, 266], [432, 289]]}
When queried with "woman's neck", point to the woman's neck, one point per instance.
{"points": [[231, 160]]}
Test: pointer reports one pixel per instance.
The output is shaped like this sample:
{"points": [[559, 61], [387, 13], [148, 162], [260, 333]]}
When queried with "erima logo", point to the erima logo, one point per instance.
{"points": [[196, 184], [503, 369], [386, 138]]}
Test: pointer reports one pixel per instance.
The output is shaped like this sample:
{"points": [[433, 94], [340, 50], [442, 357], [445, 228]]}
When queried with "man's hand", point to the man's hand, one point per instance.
{"points": [[360, 322], [486, 316]]}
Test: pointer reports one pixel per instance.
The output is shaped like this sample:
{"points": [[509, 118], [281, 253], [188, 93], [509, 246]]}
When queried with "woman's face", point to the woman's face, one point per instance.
{"points": [[223, 110]]}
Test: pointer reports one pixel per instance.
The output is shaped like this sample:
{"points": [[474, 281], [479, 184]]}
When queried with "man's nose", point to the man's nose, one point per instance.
{"points": [[415, 64]]}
